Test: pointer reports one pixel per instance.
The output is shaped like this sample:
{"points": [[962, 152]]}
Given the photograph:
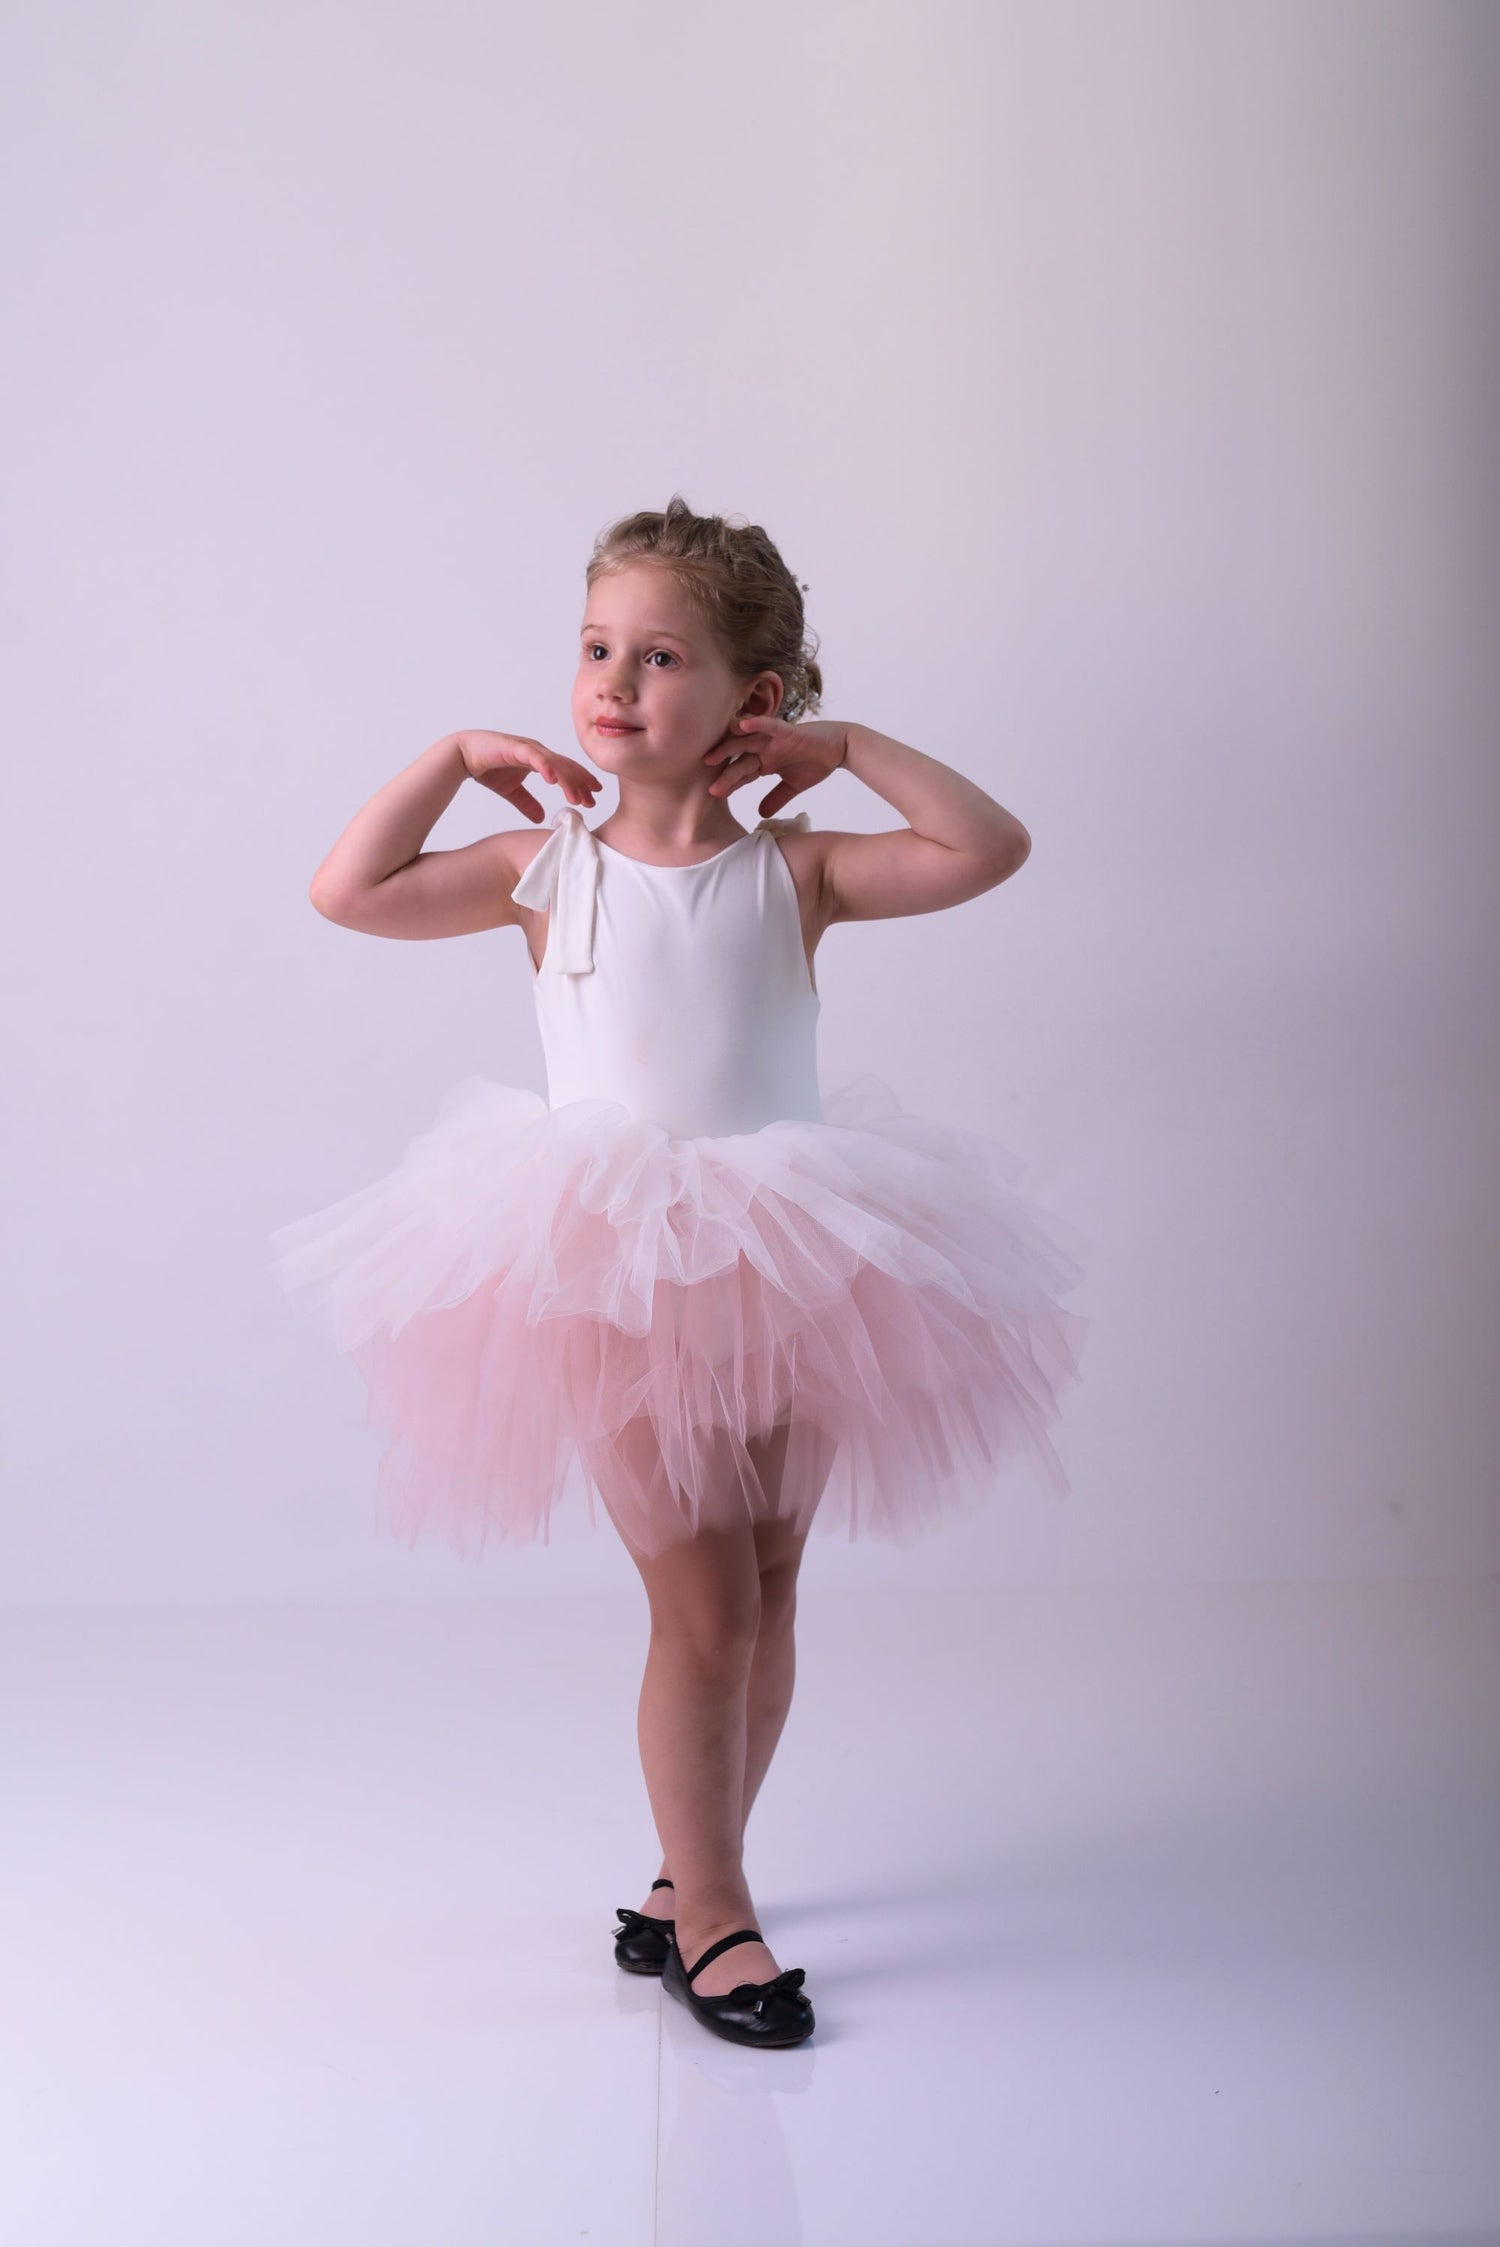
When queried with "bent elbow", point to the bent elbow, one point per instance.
{"points": [[1012, 857], [324, 901]]}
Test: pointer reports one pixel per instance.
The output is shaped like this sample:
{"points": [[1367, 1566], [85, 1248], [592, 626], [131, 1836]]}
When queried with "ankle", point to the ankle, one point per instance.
{"points": [[705, 1921]]}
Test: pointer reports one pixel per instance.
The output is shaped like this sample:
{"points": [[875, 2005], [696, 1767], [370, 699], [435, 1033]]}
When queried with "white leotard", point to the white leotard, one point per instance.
{"points": [[683, 992]]}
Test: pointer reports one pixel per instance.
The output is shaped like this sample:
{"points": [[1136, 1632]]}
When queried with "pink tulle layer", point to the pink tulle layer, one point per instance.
{"points": [[851, 1323]]}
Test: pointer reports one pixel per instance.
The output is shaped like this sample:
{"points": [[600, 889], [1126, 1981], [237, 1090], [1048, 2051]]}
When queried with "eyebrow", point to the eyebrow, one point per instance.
{"points": [[650, 632]]}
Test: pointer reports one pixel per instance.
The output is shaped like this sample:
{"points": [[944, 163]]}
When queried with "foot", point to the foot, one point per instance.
{"points": [[742, 1962]]}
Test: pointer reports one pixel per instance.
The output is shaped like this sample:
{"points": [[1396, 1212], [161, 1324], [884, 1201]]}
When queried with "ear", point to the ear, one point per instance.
{"points": [[763, 697]]}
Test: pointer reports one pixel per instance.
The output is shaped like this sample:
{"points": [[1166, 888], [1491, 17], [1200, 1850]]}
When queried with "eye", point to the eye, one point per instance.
{"points": [[594, 646]]}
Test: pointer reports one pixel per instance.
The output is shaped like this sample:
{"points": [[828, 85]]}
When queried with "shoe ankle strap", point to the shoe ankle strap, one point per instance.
{"points": [[663, 1883], [740, 1935]]}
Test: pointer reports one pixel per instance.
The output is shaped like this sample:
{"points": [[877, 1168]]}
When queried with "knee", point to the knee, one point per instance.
{"points": [[719, 1632], [778, 1595]]}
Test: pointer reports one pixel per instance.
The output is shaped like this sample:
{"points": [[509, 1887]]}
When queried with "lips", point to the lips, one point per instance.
{"points": [[614, 725]]}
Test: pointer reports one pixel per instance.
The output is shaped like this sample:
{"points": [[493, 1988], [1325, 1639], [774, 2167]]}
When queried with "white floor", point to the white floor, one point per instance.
{"points": [[1128, 1915]]}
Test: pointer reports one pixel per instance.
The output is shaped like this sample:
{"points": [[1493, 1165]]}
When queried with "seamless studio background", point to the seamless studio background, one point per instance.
{"points": [[1118, 378]]}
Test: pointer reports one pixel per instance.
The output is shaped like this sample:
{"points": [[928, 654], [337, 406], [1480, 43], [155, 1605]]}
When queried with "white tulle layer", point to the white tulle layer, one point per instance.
{"points": [[851, 1322]]}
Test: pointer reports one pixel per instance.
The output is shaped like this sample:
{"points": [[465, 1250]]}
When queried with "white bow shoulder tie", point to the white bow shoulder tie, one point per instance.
{"points": [[563, 880]]}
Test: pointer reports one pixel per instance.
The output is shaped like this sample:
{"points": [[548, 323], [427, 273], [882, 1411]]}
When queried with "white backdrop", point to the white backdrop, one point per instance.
{"points": [[1119, 379]]}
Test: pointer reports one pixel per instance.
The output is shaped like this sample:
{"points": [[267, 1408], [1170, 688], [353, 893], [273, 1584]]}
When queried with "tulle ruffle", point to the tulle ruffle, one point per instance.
{"points": [[851, 1323]]}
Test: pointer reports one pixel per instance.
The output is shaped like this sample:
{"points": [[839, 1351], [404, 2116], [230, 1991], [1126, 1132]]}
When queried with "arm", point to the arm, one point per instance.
{"points": [[378, 879], [958, 841]]}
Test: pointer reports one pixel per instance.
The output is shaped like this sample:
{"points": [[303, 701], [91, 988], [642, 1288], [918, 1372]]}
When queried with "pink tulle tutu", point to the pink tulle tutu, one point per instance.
{"points": [[851, 1323]]}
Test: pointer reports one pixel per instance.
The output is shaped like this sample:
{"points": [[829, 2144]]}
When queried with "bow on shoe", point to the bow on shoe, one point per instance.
{"points": [[634, 1922], [788, 1984]]}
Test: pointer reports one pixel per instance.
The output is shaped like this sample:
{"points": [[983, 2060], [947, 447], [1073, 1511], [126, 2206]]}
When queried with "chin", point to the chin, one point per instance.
{"points": [[623, 756]]}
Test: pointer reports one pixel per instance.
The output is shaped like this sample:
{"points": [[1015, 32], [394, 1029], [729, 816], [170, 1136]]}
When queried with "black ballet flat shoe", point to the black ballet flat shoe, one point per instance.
{"points": [[771, 2013], [641, 1941]]}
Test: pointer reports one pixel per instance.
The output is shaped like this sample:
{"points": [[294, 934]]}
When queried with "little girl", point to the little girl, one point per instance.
{"points": [[735, 1302]]}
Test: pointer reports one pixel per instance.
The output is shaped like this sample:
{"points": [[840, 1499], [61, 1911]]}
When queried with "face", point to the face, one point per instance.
{"points": [[646, 660]]}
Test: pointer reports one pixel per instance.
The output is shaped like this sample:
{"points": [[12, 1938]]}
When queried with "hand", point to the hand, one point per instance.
{"points": [[502, 760], [802, 754]]}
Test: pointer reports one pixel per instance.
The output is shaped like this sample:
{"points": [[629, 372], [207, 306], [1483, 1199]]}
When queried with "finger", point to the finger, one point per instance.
{"points": [[742, 758]]}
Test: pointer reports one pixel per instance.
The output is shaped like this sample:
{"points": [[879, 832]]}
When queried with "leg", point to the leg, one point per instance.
{"points": [[773, 1667], [705, 1611], [704, 1595], [778, 1552], [772, 1674]]}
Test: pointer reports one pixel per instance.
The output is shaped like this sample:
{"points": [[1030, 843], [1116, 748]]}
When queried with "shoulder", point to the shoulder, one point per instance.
{"points": [[516, 847], [507, 854], [803, 848]]}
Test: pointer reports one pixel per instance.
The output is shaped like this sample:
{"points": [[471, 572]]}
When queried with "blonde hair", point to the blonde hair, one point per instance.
{"points": [[737, 582]]}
